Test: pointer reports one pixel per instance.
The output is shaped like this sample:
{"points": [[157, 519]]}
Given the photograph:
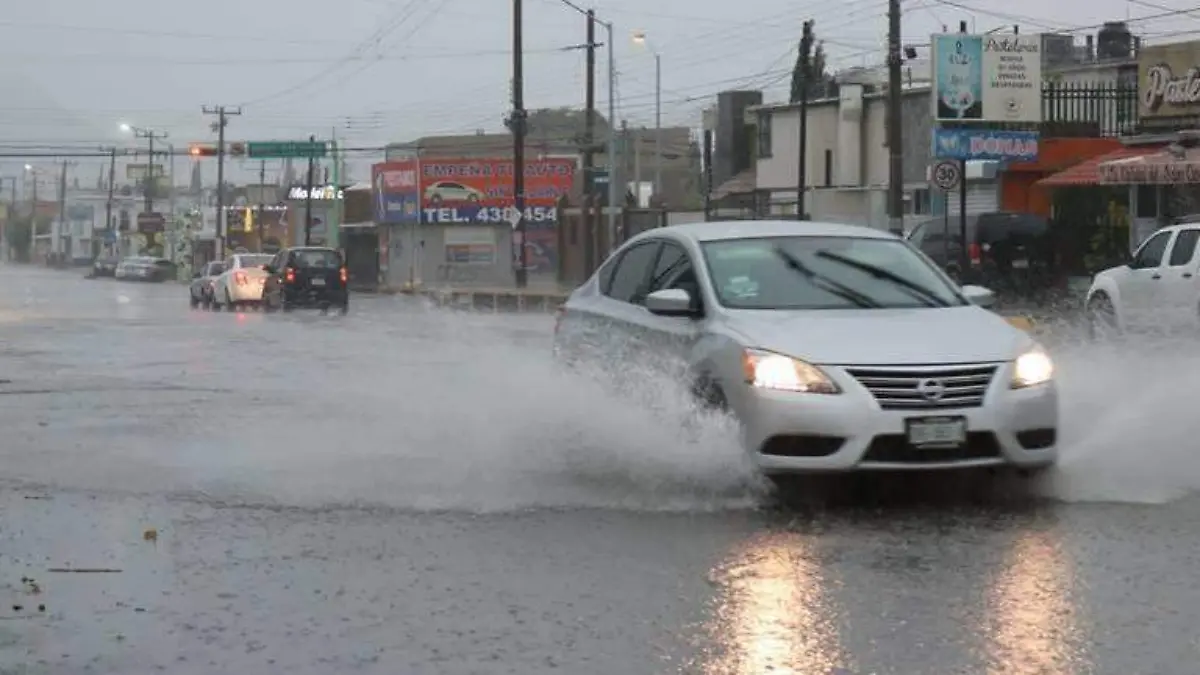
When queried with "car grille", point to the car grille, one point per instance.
{"points": [[899, 387]]}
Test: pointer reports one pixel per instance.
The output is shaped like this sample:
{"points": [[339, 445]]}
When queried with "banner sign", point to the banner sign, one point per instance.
{"points": [[983, 144]]}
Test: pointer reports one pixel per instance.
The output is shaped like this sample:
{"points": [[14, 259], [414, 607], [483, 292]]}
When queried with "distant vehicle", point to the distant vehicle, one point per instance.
{"points": [[307, 276], [1158, 288], [200, 293], [240, 282], [145, 268], [449, 191], [1007, 252], [838, 348], [105, 266]]}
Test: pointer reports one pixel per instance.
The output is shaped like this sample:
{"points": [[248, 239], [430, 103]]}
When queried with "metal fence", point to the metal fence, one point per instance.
{"points": [[1081, 109]]}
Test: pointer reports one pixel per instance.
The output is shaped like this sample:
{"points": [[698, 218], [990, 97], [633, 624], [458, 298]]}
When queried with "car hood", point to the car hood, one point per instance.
{"points": [[884, 336]]}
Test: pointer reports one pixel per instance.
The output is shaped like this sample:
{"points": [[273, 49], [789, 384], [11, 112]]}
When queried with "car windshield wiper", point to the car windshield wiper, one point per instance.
{"points": [[916, 290], [825, 283]]}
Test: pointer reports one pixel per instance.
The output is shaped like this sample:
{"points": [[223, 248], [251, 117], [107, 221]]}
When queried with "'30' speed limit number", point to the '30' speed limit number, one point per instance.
{"points": [[946, 175]]}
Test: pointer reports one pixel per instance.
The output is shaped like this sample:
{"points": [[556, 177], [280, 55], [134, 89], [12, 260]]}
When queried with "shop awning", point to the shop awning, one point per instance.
{"points": [[1175, 165], [1088, 171]]}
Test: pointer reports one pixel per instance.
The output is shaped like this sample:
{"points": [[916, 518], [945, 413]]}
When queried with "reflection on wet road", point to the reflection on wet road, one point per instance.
{"points": [[409, 491]]}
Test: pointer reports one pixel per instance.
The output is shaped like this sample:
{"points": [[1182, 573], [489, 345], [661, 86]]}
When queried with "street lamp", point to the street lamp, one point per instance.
{"points": [[150, 135], [639, 38]]}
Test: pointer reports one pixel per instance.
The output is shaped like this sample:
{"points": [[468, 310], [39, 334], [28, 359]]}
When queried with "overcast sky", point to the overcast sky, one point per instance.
{"points": [[390, 70]]}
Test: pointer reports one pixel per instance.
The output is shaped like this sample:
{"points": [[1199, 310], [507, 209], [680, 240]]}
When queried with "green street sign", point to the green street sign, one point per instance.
{"points": [[285, 149]]}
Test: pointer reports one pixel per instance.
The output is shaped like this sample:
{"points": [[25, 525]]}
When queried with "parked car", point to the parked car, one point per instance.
{"points": [[1158, 288], [200, 292], [1011, 253], [307, 276], [145, 268], [240, 282], [837, 348], [105, 266]]}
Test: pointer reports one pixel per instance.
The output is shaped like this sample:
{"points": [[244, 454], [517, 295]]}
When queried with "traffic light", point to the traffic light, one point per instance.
{"points": [[202, 150], [237, 149]]}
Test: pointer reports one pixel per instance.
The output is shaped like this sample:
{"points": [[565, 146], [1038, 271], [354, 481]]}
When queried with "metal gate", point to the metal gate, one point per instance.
{"points": [[983, 196]]}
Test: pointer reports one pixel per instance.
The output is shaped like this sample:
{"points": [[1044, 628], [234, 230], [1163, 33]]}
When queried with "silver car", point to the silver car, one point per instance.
{"points": [[836, 347]]}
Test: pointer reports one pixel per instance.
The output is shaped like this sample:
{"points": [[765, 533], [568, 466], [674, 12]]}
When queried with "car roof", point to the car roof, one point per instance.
{"points": [[721, 230], [313, 248]]}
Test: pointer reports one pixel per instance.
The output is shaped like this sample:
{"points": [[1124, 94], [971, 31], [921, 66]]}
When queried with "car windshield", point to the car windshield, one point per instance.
{"points": [[255, 260], [321, 258], [823, 273]]}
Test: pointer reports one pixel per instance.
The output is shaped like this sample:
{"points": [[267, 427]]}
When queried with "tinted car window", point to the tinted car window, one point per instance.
{"points": [[215, 268], [315, 257], [1184, 248], [1151, 253], [995, 227], [629, 278]]}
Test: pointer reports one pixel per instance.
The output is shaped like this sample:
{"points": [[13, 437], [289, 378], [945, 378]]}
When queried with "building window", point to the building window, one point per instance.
{"points": [[920, 203], [1147, 201], [764, 135], [828, 168]]}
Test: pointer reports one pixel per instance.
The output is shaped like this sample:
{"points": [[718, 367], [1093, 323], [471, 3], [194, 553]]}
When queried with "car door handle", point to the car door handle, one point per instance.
{"points": [[1156, 276]]}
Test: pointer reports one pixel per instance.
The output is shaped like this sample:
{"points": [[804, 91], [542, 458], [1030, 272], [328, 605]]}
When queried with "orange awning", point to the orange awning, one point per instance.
{"points": [[1087, 172]]}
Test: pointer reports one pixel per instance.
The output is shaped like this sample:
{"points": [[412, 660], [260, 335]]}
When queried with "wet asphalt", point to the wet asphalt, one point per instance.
{"points": [[190, 492]]}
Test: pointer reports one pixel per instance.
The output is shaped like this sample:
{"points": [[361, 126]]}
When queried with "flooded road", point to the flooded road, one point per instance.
{"points": [[409, 491]]}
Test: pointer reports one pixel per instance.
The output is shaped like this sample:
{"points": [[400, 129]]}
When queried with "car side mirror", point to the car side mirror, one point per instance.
{"points": [[670, 302], [979, 296]]}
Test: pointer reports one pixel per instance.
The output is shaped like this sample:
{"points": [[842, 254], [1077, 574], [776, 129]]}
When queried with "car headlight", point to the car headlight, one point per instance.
{"points": [[1032, 368], [768, 370]]}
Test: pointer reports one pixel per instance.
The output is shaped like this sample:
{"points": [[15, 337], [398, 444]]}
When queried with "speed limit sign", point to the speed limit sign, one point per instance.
{"points": [[946, 175]]}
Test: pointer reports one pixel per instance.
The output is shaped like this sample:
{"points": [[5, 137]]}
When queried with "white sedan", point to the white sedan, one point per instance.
{"points": [[837, 348], [241, 283]]}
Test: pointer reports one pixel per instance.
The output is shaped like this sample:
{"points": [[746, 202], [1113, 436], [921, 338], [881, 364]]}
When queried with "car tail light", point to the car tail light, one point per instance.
{"points": [[975, 253], [345, 275], [240, 278], [289, 275]]}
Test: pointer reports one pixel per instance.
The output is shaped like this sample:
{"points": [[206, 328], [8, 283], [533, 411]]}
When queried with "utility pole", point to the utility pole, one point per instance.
{"points": [[308, 189], [589, 155], [658, 158], [56, 237], [895, 119], [806, 49], [262, 180], [612, 140], [517, 123], [223, 113], [108, 205]]}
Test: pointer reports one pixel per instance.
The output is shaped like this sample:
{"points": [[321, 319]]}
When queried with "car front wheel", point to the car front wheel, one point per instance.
{"points": [[1101, 317]]}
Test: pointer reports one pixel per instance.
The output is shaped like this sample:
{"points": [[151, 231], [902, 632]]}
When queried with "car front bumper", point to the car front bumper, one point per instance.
{"points": [[789, 432]]}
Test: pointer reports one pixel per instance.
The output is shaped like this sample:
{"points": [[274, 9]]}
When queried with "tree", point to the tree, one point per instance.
{"points": [[822, 84]]}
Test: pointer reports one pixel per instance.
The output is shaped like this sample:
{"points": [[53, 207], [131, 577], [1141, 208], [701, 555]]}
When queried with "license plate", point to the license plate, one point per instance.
{"points": [[937, 432], [317, 282], [1021, 264]]}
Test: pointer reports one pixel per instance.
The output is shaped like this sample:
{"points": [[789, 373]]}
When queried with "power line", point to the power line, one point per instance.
{"points": [[105, 59]]}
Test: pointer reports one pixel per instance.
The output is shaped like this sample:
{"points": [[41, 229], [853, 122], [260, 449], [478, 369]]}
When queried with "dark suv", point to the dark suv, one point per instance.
{"points": [[307, 276], [1008, 252]]}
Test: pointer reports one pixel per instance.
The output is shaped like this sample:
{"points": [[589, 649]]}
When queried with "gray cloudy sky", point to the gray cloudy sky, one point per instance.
{"points": [[389, 70]]}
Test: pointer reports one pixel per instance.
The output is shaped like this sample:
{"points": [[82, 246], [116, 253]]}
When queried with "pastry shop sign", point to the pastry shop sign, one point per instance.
{"points": [[320, 193]]}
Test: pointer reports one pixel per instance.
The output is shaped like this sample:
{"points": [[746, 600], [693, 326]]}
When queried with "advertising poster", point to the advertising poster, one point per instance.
{"points": [[395, 192], [987, 78], [471, 245], [478, 191]]}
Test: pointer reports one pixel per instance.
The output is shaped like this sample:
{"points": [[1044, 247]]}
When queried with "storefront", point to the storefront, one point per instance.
{"points": [[1156, 172]]}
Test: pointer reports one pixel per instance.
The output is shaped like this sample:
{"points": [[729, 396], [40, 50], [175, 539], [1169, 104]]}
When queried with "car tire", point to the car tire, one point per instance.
{"points": [[1101, 318], [229, 305], [344, 308], [195, 303]]}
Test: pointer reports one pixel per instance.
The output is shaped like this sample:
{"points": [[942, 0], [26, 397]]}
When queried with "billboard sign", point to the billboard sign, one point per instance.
{"points": [[395, 192], [1169, 81], [480, 191], [987, 78], [318, 193]]}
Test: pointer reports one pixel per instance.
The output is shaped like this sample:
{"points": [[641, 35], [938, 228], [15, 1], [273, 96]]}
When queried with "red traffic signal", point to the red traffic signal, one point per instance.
{"points": [[202, 150]]}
